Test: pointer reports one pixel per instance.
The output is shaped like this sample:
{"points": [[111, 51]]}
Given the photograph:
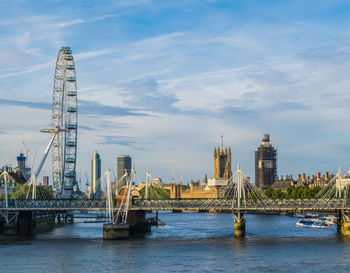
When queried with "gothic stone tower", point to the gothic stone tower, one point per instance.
{"points": [[265, 164], [222, 163]]}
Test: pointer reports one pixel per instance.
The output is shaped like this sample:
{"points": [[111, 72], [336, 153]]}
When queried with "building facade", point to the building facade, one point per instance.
{"points": [[45, 180], [123, 165], [265, 164], [96, 174], [25, 171], [222, 163]]}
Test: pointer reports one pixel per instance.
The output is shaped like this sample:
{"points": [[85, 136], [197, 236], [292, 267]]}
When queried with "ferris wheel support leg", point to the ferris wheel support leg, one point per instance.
{"points": [[47, 150]]}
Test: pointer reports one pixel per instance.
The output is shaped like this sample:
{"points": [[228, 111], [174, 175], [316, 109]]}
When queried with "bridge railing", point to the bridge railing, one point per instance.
{"points": [[229, 204], [204, 204], [55, 204]]}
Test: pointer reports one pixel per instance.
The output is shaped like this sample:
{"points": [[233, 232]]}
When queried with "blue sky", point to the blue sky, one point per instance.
{"points": [[162, 80]]}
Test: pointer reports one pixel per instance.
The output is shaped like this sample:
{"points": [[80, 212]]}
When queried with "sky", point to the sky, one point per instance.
{"points": [[161, 81]]}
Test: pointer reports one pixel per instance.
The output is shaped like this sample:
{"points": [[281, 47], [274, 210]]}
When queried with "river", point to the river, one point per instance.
{"points": [[189, 242]]}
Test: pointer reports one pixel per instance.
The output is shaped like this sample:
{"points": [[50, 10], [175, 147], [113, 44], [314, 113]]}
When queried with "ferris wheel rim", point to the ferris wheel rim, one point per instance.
{"points": [[64, 118]]}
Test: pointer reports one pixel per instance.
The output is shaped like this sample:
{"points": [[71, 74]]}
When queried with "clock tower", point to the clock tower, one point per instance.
{"points": [[265, 164]]}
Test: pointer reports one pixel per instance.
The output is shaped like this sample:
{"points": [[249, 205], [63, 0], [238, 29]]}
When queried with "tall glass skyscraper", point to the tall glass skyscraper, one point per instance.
{"points": [[123, 164]]}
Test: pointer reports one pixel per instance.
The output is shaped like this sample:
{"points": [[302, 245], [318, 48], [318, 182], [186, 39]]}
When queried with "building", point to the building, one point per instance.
{"points": [[25, 171], [342, 183], [45, 180], [89, 192], [222, 168], [194, 191], [96, 174], [15, 177], [265, 164], [303, 180], [123, 165], [222, 163], [314, 180]]}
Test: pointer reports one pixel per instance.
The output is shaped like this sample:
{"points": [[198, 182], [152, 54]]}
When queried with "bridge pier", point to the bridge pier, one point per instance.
{"points": [[69, 218], [116, 231], [343, 224], [239, 223], [29, 223], [135, 225]]}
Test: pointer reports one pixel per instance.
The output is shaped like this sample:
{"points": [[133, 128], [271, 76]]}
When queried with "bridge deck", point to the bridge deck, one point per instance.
{"points": [[184, 204]]}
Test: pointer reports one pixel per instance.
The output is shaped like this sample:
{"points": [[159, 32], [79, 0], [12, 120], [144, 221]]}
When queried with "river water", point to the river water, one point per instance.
{"points": [[189, 242]]}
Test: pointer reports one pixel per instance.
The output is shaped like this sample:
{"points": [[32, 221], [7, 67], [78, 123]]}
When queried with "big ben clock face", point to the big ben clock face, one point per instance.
{"points": [[267, 164]]}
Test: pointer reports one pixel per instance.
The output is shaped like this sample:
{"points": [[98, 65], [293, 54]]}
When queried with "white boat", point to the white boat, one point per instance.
{"points": [[299, 215], [311, 215], [314, 223], [328, 220]]}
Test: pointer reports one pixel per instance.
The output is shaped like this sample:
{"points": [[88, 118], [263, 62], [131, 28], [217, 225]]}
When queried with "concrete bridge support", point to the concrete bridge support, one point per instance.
{"points": [[135, 225], [239, 224], [116, 231], [29, 223], [343, 226]]}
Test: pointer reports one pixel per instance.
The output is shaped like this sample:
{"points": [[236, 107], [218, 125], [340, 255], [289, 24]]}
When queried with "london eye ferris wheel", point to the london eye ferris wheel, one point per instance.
{"points": [[64, 124]]}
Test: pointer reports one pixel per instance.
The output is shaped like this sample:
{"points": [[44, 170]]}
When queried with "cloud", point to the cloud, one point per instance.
{"points": [[158, 40], [87, 128], [118, 140], [38, 67], [84, 107], [200, 76], [145, 94], [30, 19], [327, 54], [95, 108], [70, 23], [81, 21], [92, 54], [28, 70], [29, 104]]}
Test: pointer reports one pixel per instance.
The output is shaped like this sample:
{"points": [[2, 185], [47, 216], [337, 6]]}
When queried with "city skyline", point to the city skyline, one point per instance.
{"points": [[164, 87]]}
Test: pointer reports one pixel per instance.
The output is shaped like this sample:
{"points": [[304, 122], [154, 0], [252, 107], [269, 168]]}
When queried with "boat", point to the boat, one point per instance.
{"points": [[314, 223], [94, 221], [332, 218], [311, 215], [328, 220], [299, 215], [154, 221]]}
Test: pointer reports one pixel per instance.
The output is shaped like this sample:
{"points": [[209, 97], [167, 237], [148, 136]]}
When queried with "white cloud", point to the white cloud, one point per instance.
{"points": [[28, 70], [70, 23], [91, 20], [158, 40], [30, 19], [92, 54]]}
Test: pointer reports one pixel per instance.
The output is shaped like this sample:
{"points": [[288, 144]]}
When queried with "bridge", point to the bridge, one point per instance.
{"points": [[239, 197]]}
